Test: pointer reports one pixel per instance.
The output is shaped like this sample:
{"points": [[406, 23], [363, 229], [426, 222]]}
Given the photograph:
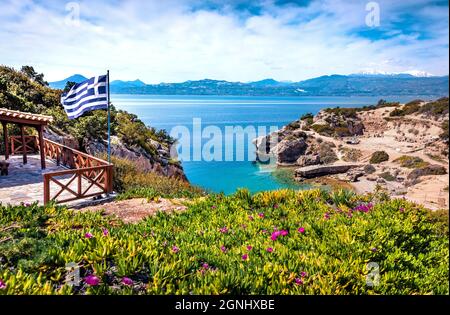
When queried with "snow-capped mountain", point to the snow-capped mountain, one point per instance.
{"points": [[414, 73]]}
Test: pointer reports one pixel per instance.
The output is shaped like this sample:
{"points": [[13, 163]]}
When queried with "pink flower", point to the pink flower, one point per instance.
{"points": [[249, 247], [270, 249], [326, 216], [250, 217], [223, 230], [213, 207], [244, 257], [264, 231], [223, 248], [175, 249], [261, 215], [88, 235], [402, 209], [301, 230], [92, 280], [244, 226], [275, 206], [275, 235], [284, 232], [2, 285], [205, 266], [127, 281], [303, 274], [105, 232], [298, 281]]}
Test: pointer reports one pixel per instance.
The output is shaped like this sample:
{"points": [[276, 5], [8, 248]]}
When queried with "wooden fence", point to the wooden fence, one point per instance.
{"points": [[88, 172], [91, 176], [30, 144]]}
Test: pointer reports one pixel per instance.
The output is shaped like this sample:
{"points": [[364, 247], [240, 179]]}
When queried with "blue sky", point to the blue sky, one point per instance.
{"points": [[177, 40]]}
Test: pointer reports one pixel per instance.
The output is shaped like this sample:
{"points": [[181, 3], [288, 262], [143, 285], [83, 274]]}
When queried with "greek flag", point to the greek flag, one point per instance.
{"points": [[88, 95]]}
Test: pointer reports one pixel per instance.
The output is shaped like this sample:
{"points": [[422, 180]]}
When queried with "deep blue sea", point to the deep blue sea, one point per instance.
{"points": [[217, 112]]}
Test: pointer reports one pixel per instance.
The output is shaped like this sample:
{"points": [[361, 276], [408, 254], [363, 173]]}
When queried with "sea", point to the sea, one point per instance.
{"points": [[227, 164]]}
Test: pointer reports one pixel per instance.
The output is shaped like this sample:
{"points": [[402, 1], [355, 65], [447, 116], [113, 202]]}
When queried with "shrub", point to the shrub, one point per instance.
{"points": [[324, 130], [134, 183], [351, 155], [369, 169], [411, 162], [326, 153], [378, 157], [293, 125], [387, 176], [444, 134], [436, 108]]}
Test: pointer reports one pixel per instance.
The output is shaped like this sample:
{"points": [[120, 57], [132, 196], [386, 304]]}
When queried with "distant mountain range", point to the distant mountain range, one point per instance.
{"points": [[364, 84]]}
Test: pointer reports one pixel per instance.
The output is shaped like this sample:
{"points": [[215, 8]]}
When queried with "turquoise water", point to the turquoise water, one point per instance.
{"points": [[166, 112]]}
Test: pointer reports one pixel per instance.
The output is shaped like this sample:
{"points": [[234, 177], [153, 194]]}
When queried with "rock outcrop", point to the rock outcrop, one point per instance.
{"points": [[322, 170], [158, 163]]}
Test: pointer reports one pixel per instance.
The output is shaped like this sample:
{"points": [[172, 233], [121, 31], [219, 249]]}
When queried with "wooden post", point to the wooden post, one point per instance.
{"points": [[46, 189], [41, 146], [24, 147], [5, 138]]}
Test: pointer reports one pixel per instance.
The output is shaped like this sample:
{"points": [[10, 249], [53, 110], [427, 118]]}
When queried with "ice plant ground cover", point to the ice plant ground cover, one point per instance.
{"points": [[282, 242]]}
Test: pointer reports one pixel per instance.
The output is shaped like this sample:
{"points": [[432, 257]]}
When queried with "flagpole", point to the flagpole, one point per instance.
{"points": [[109, 123]]}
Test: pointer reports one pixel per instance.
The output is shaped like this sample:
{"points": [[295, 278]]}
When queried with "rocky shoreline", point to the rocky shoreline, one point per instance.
{"points": [[374, 147]]}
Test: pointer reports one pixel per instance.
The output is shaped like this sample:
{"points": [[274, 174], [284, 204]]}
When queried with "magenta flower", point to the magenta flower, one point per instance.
{"points": [[402, 209], [303, 274], [244, 257], [2, 285], [105, 232], [249, 247], [223, 230], [213, 207], [264, 231], [250, 217], [92, 280], [275, 206], [127, 281], [270, 249], [363, 207], [301, 230], [350, 215], [275, 235], [223, 248], [326, 216], [298, 281], [261, 215], [284, 232], [88, 235], [205, 266], [175, 249]]}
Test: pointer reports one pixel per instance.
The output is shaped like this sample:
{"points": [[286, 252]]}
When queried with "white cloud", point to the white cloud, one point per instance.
{"points": [[167, 41]]}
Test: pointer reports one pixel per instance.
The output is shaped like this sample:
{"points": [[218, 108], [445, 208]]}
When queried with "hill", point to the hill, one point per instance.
{"points": [[131, 138], [77, 78]]}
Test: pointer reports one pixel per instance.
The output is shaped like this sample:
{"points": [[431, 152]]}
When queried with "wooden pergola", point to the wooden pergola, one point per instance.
{"points": [[23, 120]]}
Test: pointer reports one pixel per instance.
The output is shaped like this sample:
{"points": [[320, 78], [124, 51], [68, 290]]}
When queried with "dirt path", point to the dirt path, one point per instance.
{"points": [[135, 210]]}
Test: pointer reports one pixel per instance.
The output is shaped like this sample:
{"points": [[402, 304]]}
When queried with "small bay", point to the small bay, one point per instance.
{"points": [[167, 112]]}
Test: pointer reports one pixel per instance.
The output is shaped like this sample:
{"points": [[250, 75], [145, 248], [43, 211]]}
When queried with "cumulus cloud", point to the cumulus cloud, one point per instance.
{"points": [[178, 40]]}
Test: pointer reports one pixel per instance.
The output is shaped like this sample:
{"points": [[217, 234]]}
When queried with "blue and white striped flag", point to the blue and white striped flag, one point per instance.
{"points": [[88, 95]]}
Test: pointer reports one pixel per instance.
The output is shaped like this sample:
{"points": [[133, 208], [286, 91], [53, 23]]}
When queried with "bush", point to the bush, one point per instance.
{"points": [[411, 162], [351, 155], [444, 134], [134, 183], [378, 157], [204, 250], [437, 108], [369, 169], [324, 130], [387, 176], [326, 153]]}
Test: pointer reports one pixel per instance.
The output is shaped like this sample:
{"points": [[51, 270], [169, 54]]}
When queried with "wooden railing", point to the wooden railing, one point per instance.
{"points": [[31, 144], [93, 176]]}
